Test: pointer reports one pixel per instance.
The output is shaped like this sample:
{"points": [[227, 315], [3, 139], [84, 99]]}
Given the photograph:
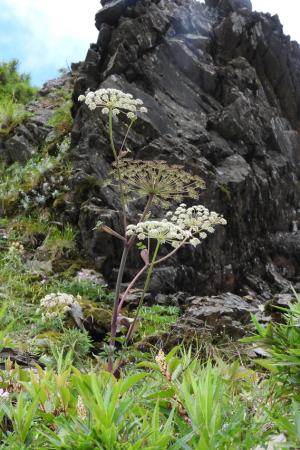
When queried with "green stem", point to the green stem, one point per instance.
{"points": [[146, 285], [112, 144]]}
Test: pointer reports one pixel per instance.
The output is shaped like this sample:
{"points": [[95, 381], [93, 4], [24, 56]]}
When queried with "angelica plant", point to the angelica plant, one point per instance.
{"points": [[158, 183]]}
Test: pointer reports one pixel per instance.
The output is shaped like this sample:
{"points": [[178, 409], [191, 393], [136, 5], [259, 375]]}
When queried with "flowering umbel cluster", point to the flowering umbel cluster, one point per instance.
{"points": [[158, 180], [16, 247], [58, 304], [183, 226], [115, 101]]}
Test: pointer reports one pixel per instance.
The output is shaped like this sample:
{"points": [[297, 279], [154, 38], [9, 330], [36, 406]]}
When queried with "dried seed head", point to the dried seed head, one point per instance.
{"points": [[158, 179]]}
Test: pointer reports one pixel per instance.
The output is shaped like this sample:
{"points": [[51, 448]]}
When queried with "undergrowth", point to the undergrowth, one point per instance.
{"points": [[64, 398]]}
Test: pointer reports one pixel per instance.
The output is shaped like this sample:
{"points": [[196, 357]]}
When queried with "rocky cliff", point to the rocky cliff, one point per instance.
{"points": [[222, 84]]}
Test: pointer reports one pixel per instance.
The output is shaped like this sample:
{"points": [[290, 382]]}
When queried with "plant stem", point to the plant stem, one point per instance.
{"points": [[147, 282], [116, 308], [130, 244], [114, 320], [131, 284], [112, 144], [126, 135]]}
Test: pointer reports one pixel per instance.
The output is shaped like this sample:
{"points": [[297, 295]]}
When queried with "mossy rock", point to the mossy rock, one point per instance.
{"points": [[97, 319], [65, 267], [46, 339]]}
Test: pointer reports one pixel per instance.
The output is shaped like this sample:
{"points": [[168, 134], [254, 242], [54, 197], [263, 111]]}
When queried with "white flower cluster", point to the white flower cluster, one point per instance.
{"points": [[161, 230], [190, 225], [57, 304], [115, 101], [16, 247]]}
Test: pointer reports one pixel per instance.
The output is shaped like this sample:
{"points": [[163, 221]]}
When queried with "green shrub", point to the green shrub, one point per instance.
{"points": [[14, 85]]}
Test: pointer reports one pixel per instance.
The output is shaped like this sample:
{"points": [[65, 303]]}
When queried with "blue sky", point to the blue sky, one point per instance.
{"points": [[46, 35]]}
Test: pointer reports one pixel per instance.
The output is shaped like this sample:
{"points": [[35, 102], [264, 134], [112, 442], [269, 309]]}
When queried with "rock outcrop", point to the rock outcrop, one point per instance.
{"points": [[222, 84]]}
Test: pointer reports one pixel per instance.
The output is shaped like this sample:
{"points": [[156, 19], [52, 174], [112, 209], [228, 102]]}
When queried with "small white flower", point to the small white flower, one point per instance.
{"points": [[194, 242], [131, 115]]}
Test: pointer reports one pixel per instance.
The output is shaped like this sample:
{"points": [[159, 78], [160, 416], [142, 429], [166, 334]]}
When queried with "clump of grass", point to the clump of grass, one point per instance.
{"points": [[15, 92], [85, 289], [11, 115], [23, 228], [59, 240], [61, 118], [73, 340]]}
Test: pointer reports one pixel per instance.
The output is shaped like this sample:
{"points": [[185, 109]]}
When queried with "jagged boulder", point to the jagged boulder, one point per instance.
{"points": [[222, 86]]}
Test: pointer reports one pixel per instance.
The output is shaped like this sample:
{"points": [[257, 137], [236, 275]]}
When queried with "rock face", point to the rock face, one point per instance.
{"points": [[222, 84]]}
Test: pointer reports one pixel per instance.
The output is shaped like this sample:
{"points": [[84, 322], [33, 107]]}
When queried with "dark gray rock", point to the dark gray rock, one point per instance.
{"points": [[228, 6], [227, 313], [222, 86], [110, 13]]}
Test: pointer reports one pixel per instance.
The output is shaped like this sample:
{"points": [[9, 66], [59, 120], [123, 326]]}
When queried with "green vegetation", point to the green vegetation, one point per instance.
{"points": [[157, 318], [282, 345], [57, 389], [15, 92], [61, 118], [155, 401], [14, 85], [11, 115], [42, 179]]}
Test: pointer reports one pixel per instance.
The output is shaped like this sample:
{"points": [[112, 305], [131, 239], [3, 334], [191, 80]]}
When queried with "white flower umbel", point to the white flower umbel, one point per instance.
{"points": [[115, 101], [57, 304], [163, 231], [183, 226], [198, 219]]}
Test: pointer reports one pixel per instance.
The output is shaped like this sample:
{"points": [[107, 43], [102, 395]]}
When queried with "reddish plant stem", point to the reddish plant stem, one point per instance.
{"points": [[131, 284], [115, 312]]}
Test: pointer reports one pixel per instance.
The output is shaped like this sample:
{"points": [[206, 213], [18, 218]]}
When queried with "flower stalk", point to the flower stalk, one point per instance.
{"points": [[162, 185]]}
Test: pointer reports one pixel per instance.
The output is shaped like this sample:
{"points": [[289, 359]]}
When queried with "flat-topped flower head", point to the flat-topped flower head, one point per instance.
{"points": [[159, 180], [57, 304], [183, 226], [114, 101], [198, 219], [161, 230]]}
